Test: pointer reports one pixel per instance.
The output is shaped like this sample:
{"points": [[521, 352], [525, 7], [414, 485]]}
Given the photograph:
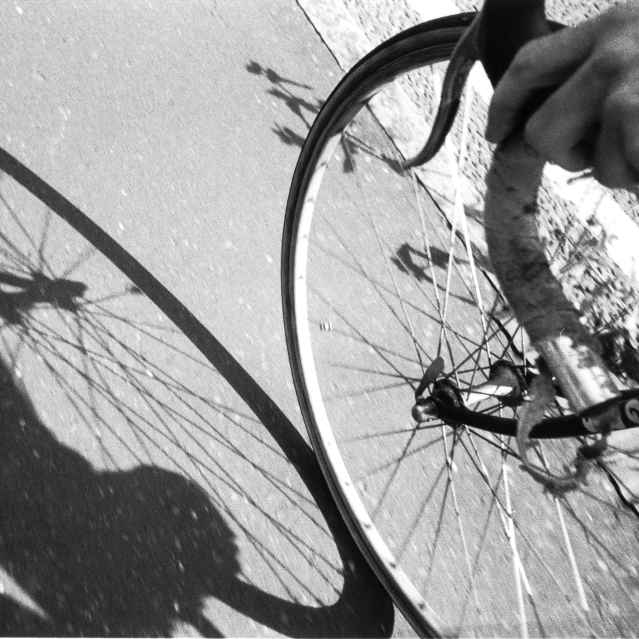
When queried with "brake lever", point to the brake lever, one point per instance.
{"points": [[494, 37], [464, 56]]}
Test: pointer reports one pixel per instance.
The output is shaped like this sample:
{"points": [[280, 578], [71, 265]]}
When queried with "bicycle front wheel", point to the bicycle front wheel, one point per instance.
{"points": [[385, 276]]}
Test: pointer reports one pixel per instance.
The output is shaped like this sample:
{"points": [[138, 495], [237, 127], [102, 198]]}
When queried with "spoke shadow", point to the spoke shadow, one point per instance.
{"points": [[136, 552]]}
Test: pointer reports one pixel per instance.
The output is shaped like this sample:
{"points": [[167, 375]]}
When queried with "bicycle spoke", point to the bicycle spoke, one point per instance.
{"points": [[391, 262]]}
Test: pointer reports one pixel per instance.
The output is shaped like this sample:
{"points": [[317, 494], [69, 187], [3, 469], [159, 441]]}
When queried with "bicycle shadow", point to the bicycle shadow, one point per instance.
{"points": [[135, 552]]}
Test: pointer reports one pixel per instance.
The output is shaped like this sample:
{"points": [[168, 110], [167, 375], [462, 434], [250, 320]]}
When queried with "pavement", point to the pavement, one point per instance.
{"points": [[155, 473]]}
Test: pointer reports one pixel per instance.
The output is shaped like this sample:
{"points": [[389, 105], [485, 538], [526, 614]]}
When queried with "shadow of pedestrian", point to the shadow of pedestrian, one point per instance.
{"points": [[137, 552], [288, 92]]}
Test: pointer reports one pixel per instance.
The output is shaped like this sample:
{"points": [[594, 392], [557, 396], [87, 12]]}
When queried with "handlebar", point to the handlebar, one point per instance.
{"points": [[505, 26]]}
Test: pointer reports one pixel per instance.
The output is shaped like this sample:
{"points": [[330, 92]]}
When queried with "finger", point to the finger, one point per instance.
{"points": [[630, 136], [560, 129], [616, 162], [610, 167], [542, 63]]}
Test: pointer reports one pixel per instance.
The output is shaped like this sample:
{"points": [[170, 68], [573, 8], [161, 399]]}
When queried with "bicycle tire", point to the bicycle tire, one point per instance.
{"points": [[422, 46]]}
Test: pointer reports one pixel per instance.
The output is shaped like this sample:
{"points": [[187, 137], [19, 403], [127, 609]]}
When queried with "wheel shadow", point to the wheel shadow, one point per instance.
{"points": [[135, 552]]}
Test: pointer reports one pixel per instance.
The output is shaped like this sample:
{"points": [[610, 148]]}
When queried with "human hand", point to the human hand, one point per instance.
{"points": [[591, 118]]}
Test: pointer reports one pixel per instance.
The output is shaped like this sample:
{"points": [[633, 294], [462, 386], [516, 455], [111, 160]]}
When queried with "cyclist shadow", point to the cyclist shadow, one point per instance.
{"points": [[136, 553], [90, 553]]}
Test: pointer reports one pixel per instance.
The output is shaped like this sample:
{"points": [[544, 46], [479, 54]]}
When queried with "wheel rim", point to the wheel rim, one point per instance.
{"points": [[481, 542]]}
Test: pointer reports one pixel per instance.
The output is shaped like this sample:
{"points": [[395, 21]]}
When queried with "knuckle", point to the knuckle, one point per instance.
{"points": [[620, 15], [621, 105], [535, 135], [616, 44], [525, 61], [612, 18], [632, 153], [612, 109], [607, 61], [620, 18], [544, 138]]}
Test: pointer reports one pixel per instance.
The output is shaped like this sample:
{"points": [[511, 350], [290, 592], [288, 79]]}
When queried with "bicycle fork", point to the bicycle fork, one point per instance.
{"points": [[569, 355]]}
